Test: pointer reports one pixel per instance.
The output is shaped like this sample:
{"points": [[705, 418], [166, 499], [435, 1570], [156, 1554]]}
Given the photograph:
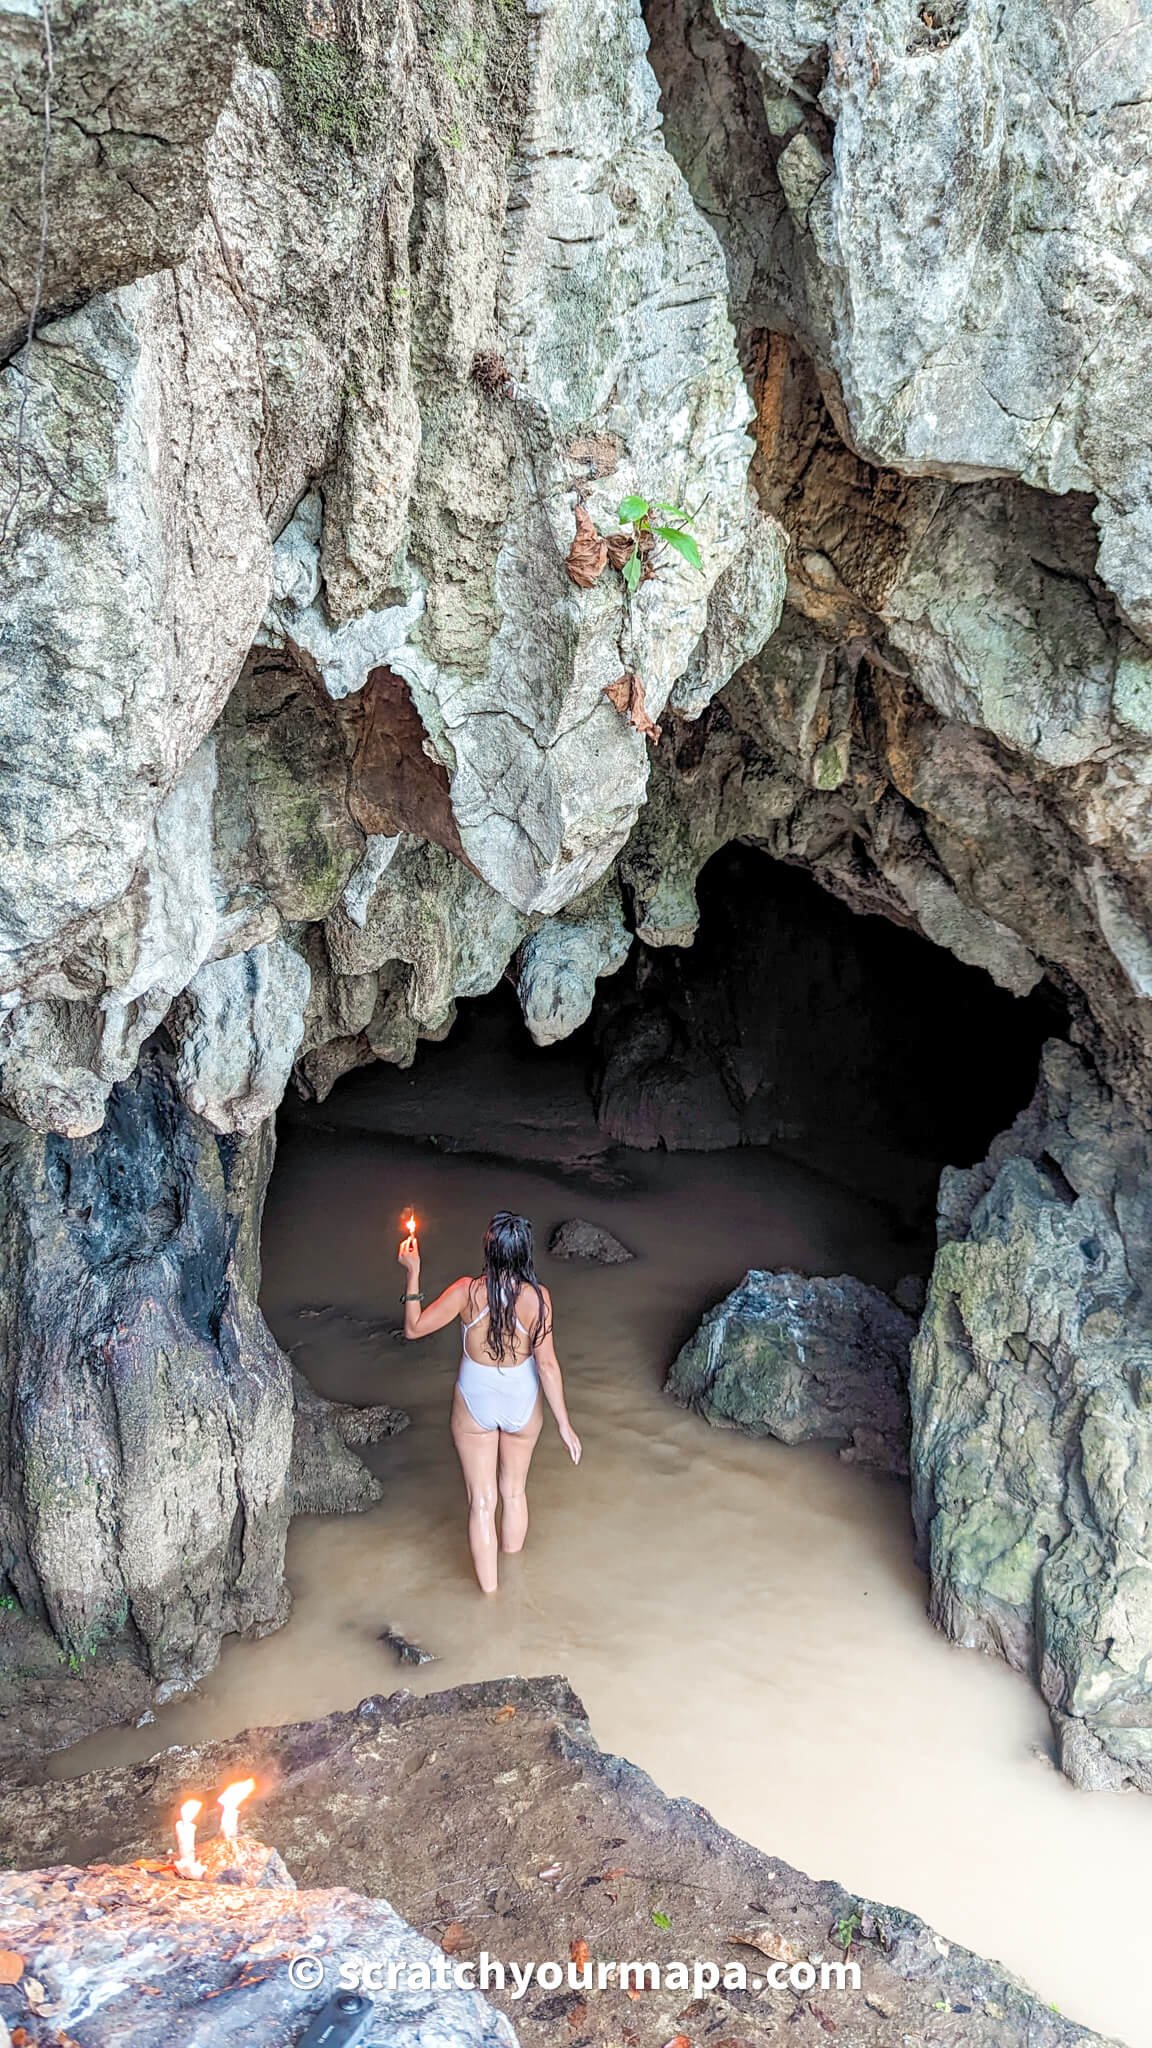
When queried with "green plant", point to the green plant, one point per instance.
{"points": [[660, 1919], [645, 522], [9, 1604], [846, 1929]]}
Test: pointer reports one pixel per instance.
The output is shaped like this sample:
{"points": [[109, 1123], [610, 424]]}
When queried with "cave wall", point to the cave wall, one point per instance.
{"points": [[340, 313], [149, 1409]]}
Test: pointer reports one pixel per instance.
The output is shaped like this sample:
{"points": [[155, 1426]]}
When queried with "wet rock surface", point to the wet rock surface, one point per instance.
{"points": [[803, 1360], [489, 1818], [163, 1440], [578, 1239], [1032, 1439]]}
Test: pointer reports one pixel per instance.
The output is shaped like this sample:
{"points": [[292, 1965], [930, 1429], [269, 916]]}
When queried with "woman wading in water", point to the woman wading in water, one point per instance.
{"points": [[508, 1361]]}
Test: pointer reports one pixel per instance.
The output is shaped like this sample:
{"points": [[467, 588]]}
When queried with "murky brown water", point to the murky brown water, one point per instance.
{"points": [[742, 1620]]}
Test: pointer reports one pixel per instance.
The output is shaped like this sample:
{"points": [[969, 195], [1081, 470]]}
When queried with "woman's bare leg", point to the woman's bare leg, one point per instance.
{"points": [[516, 1448], [477, 1450]]}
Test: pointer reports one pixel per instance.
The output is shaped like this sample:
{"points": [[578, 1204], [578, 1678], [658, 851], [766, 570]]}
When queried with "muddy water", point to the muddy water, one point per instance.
{"points": [[742, 1620]]}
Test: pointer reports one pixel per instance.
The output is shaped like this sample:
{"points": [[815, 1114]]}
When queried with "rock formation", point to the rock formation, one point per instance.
{"points": [[493, 1823], [579, 1239], [804, 1361], [320, 323], [137, 1959], [152, 1462], [1032, 1395]]}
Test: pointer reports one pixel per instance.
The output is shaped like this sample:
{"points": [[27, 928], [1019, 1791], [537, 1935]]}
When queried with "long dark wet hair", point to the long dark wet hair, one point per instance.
{"points": [[509, 1265]]}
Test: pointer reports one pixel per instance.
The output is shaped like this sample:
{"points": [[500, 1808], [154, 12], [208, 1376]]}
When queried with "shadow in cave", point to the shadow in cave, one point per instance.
{"points": [[859, 1050], [838, 1039]]}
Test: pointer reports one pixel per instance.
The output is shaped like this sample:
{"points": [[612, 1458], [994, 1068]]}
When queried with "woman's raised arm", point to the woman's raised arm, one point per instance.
{"points": [[418, 1320]]}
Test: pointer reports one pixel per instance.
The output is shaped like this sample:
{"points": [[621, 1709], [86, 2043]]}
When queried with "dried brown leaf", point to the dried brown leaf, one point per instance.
{"points": [[11, 1966], [580, 1952], [506, 1713], [769, 1944], [588, 554], [627, 694], [456, 1940]]}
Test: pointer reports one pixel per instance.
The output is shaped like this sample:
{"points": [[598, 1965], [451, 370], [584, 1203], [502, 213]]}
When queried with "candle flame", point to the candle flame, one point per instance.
{"points": [[186, 1863], [229, 1801], [410, 1225]]}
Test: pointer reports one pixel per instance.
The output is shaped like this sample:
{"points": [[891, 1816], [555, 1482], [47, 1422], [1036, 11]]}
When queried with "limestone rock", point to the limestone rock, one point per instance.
{"points": [[326, 1476], [578, 1239], [1032, 1445], [522, 1790], [155, 1408], [132, 1958], [802, 1359], [559, 965], [125, 165], [237, 1028], [966, 268]]}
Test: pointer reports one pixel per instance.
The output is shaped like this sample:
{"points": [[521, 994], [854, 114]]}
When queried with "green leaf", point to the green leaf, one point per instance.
{"points": [[675, 512], [632, 508], [683, 544], [632, 572], [660, 1919]]}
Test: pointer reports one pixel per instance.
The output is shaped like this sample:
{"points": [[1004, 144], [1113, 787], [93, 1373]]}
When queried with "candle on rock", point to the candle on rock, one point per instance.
{"points": [[186, 1863], [229, 1804]]}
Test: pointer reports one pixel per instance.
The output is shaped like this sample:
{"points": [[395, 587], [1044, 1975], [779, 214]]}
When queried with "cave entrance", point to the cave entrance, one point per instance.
{"points": [[791, 1029], [736, 1612]]}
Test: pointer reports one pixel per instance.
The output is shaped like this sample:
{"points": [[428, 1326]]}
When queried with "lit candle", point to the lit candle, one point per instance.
{"points": [[410, 1225], [186, 1864], [229, 1801]]}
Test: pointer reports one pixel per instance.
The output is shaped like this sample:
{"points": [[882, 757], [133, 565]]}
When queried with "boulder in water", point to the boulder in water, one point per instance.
{"points": [[577, 1239], [803, 1359]]}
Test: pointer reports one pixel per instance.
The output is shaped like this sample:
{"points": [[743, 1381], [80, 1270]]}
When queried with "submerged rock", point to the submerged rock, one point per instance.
{"points": [[406, 1650], [538, 1841], [327, 1478], [577, 1239], [803, 1360]]}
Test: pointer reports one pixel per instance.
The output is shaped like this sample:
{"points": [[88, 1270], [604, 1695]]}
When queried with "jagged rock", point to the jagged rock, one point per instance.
{"points": [[326, 1477], [237, 1028], [800, 1360], [124, 170], [155, 1409], [134, 1960], [966, 176], [407, 1652], [518, 1786], [577, 1239], [1032, 1437], [558, 966]]}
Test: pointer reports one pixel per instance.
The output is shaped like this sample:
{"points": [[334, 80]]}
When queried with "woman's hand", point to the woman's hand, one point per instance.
{"points": [[409, 1257], [571, 1442]]}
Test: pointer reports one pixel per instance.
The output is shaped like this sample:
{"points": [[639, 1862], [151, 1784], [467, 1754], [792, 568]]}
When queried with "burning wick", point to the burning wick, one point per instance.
{"points": [[229, 1801], [186, 1864]]}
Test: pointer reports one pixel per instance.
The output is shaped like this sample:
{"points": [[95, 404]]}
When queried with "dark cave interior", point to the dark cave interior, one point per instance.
{"points": [[840, 1041]]}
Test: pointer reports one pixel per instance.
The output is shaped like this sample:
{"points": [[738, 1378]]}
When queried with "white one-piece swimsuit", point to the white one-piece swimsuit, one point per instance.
{"points": [[497, 1396]]}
